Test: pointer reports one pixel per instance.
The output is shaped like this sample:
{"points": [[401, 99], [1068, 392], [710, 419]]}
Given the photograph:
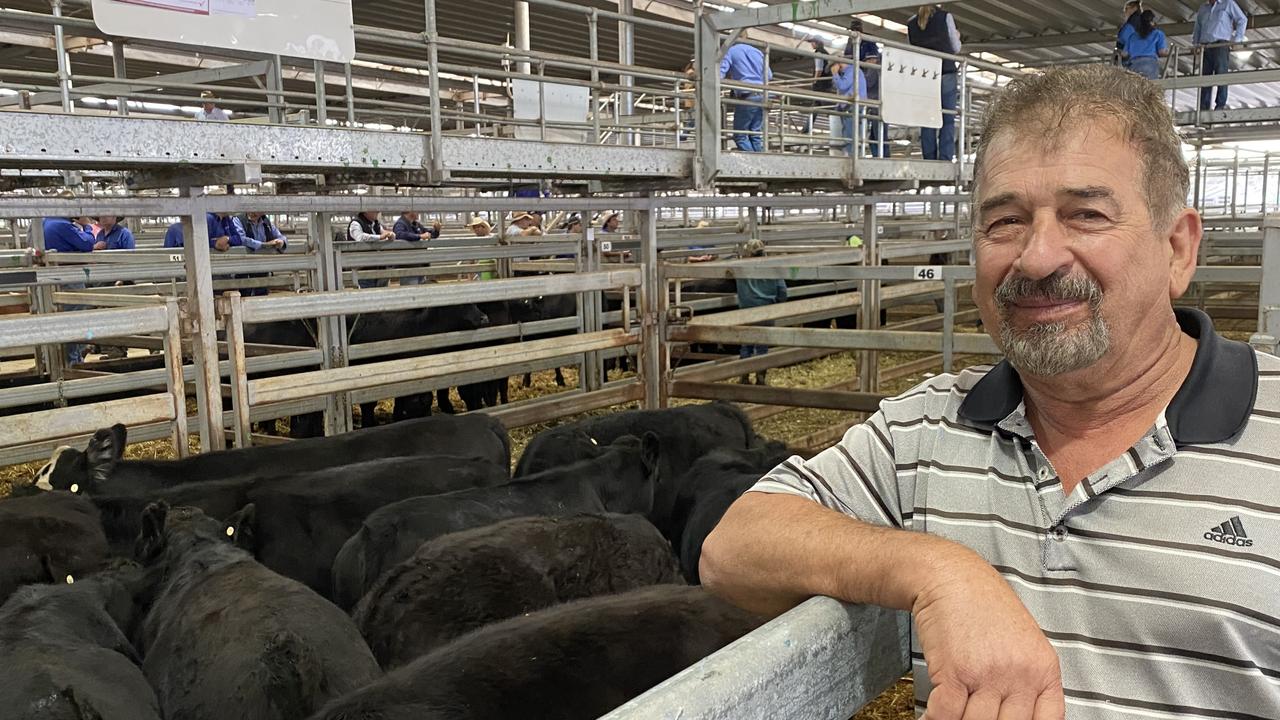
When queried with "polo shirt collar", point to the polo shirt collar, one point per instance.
{"points": [[1212, 405]]}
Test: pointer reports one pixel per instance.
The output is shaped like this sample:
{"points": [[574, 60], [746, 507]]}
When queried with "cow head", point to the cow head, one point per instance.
{"points": [[187, 527], [632, 489], [79, 472]]}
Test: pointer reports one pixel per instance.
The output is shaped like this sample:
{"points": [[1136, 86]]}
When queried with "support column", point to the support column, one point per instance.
{"points": [[653, 314], [64, 61], [626, 56], [119, 71], [351, 94], [275, 83], [706, 164], [322, 102], [331, 332], [589, 308], [50, 359], [869, 360], [204, 328], [522, 33], [435, 171]]}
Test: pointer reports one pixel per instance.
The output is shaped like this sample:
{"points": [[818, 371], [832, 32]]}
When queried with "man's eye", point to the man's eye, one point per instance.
{"points": [[1004, 222], [1090, 215]]}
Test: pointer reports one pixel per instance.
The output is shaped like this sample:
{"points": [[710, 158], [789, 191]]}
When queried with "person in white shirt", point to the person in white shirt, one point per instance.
{"points": [[210, 111], [522, 224], [365, 227]]}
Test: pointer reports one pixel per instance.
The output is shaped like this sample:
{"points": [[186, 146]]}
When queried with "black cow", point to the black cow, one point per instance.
{"points": [[227, 638], [621, 480], [687, 434], [122, 514], [46, 537], [486, 393], [378, 327], [100, 469], [65, 653], [706, 491], [574, 661], [462, 581], [302, 520], [551, 307]]}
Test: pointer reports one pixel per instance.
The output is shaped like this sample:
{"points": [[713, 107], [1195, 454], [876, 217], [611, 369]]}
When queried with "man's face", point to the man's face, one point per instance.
{"points": [[479, 230], [411, 216], [253, 216], [208, 107], [1068, 263], [612, 223], [106, 221]]}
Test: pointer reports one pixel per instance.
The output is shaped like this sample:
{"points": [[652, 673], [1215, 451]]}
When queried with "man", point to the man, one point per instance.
{"points": [[866, 48], [848, 79], [408, 228], [572, 224], [1087, 528], [210, 111], [1131, 14], [71, 235], [522, 224], [757, 292], [114, 235], [366, 227], [1218, 22], [935, 29], [745, 63], [224, 233], [611, 223], [877, 131], [480, 226], [259, 232]]}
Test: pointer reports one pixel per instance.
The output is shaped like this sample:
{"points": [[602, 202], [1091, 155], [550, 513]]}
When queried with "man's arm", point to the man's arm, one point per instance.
{"points": [[725, 63], [359, 235], [953, 34], [247, 239], [1198, 28], [405, 232], [1239, 21]]}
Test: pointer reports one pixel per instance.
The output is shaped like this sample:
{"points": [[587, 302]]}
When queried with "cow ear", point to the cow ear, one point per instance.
{"points": [[650, 452], [151, 540], [105, 448], [239, 530]]}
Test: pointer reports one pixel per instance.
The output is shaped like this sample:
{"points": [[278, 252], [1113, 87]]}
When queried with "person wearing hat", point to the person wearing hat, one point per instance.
{"points": [[572, 224], [523, 223], [757, 292], [480, 226], [209, 110], [612, 222], [115, 235]]}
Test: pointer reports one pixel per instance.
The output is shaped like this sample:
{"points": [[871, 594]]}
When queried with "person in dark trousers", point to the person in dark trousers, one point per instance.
{"points": [[865, 47], [821, 76], [877, 131], [1144, 46], [848, 80], [366, 227], [408, 228], [745, 63], [259, 232], [757, 293], [934, 29], [1132, 14], [1218, 22]]}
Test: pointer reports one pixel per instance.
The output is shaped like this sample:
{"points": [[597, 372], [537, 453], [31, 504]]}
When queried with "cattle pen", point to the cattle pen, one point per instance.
{"points": [[876, 252]]}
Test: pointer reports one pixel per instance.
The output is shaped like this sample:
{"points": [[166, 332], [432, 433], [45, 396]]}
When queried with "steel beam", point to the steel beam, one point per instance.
{"points": [[888, 340], [796, 12], [706, 51], [204, 75], [792, 397]]}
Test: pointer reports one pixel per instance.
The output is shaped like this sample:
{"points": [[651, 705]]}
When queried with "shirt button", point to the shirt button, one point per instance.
{"points": [[1058, 532], [1043, 473]]}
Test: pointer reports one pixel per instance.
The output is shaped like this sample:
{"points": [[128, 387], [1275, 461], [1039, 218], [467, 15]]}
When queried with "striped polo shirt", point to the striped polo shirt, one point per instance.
{"points": [[1157, 580]]}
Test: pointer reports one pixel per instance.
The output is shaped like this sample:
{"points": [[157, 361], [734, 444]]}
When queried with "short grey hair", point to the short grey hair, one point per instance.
{"points": [[1047, 105]]}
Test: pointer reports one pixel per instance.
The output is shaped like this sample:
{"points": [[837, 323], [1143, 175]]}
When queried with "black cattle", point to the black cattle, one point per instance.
{"points": [[706, 491], [621, 480], [65, 653], [122, 514], [377, 327], [462, 581], [302, 520], [47, 536], [227, 638], [574, 661], [100, 469], [550, 307], [486, 393], [687, 433]]}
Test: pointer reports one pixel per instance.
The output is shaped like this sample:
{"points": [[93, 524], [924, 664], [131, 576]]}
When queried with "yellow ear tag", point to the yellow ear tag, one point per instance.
{"points": [[70, 580], [231, 531], [74, 488], [593, 441]]}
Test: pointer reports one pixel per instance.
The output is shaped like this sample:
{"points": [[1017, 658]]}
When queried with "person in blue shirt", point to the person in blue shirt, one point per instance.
{"points": [[408, 228], [224, 234], [848, 79], [1144, 45], [757, 292], [115, 235], [1132, 14], [745, 64], [1217, 22], [259, 232], [70, 235], [866, 48]]}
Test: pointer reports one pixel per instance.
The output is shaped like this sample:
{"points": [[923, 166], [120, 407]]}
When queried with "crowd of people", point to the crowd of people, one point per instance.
{"points": [[1140, 47]]}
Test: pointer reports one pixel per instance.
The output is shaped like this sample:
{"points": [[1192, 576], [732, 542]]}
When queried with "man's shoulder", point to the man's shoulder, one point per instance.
{"points": [[937, 397]]}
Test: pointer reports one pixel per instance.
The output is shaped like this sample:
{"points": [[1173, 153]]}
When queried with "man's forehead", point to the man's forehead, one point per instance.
{"points": [[1080, 159]]}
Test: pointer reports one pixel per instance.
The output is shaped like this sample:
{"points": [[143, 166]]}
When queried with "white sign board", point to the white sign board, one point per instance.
{"points": [[314, 29], [563, 103], [911, 88]]}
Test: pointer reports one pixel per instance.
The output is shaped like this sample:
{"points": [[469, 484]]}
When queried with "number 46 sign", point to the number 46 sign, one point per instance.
{"points": [[927, 272]]}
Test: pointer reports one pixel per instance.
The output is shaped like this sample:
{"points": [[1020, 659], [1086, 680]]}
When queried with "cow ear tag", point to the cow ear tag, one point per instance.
{"points": [[71, 580], [231, 531], [593, 440], [75, 488]]}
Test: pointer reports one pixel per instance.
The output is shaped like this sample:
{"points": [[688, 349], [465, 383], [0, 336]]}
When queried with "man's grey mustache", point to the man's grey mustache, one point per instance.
{"points": [[1057, 287]]}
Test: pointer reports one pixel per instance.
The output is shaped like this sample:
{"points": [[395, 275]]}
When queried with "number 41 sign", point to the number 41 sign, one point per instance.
{"points": [[927, 272]]}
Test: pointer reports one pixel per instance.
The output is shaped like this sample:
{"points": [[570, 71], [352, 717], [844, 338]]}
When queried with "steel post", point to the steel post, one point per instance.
{"points": [[119, 71], [331, 335], [322, 102], [1269, 288], [351, 94], [706, 49], [275, 84], [436, 160], [204, 326], [626, 56], [948, 322], [522, 33], [653, 314], [869, 360], [64, 60]]}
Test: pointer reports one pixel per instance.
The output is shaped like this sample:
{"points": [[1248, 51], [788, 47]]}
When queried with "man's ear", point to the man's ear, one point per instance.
{"points": [[1184, 235]]}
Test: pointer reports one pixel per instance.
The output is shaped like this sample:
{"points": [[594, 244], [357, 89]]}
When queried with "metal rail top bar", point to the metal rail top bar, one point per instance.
{"points": [[455, 254], [281, 307], [821, 660], [406, 203], [804, 201], [736, 270], [26, 207], [891, 340], [82, 325]]}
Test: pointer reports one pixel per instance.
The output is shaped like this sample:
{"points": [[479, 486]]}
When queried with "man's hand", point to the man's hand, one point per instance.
{"points": [[436, 226], [100, 245], [222, 244], [387, 235], [988, 660], [276, 243], [425, 236]]}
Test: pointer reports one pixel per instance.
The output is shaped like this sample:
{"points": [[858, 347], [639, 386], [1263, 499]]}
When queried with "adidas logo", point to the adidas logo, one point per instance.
{"points": [[1230, 532]]}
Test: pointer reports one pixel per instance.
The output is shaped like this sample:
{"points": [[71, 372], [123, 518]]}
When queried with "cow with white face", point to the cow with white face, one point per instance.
{"points": [[44, 478]]}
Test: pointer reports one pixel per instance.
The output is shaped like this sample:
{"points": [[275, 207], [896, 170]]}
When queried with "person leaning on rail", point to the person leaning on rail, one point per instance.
{"points": [[1088, 527]]}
